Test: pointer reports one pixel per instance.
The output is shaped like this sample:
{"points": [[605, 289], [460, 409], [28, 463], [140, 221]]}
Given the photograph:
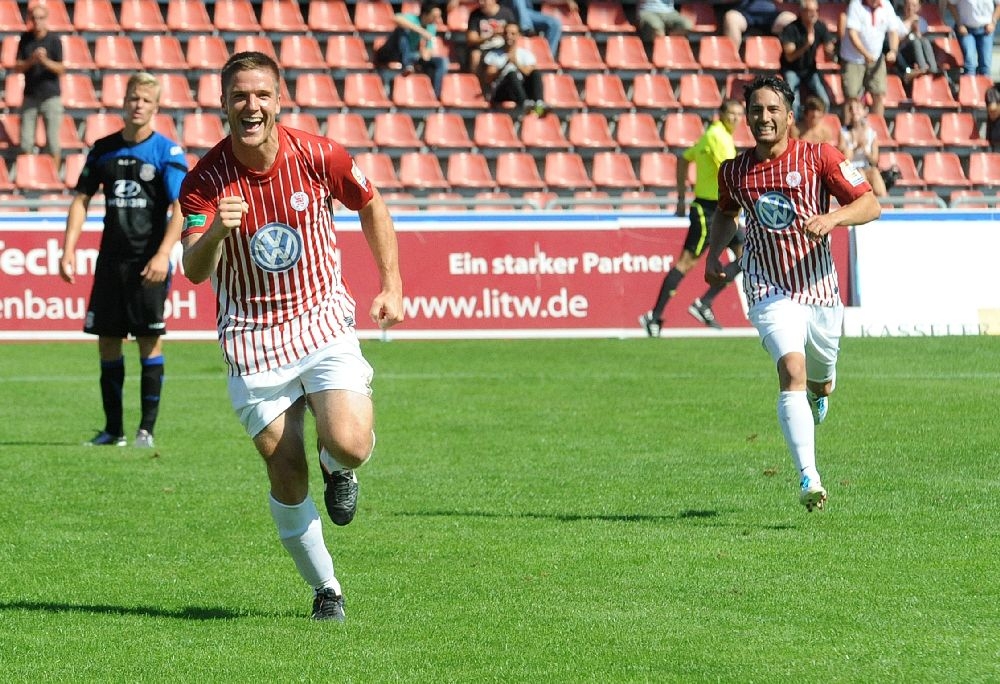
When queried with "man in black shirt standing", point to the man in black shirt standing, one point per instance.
{"points": [[39, 58], [800, 42]]}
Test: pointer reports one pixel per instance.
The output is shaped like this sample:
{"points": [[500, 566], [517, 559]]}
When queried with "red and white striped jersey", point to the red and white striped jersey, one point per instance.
{"points": [[777, 196], [279, 290]]}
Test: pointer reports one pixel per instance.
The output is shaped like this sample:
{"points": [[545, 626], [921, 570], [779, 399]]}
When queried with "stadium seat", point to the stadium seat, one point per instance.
{"points": [[282, 16], [829, 14], [674, 54], [10, 132], [539, 47], [350, 130], [365, 91], [607, 17], [301, 53], [8, 53], [69, 138], [699, 93], [959, 131], [968, 199], [188, 18], [494, 132], [579, 54], [560, 93], [374, 17], [569, 18], [826, 64], [921, 199], [588, 132], [94, 16], [681, 130], [835, 87], [948, 53], [97, 125], [78, 92], [445, 201], [422, 171], [654, 91], [13, 90], [73, 164], [346, 52], [116, 53], [11, 20], [566, 171], [884, 139], [944, 170], [201, 130], [605, 92], [234, 17], [76, 52], [763, 53], [972, 91], [702, 17], [914, 132], [209, 91], [589, 200], [518, 171], [329, 16], [933, 93], [718, 55], [469, 171], [614, 170], [175, 93], [59, 19], [984, 169], [206, 52], [736, 84], [246, 42], [644, 201], [378, 167], [489, 200], [625, 53], [142, 16], [457, 17], [395, 132], [165, 124], [543, 132], [303, 121], [414, 92], [113, 90], [904, 162], [446, 132], [636, 132], [461, 92], [162, 51], [658, 170], [37, 173], [317, 91], [743, 136]]}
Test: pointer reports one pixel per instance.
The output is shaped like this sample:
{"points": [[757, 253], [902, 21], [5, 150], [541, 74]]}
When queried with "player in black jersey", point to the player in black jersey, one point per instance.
{"points": [[140, 171]]}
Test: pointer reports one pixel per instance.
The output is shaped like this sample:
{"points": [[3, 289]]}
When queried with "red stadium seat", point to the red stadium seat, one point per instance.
{"points": [[914, 131], [543, 132], [165, 125], [395, 132], [569, 17], [589, 131], [78, 92], [116, 53], [518, 171], [699, 92], [206, 52], [303, 121], [702, 17], [95, 16], [540, 199], [73, 164], [98, 125], [539, 47], [175, 93], [637, 131], [8, 53], [235, 17], [566, 171], [681, 130], [659, 170], [374, 17], [446, 131], [142, 16], [591, 200], [763, 53], [719, 55], [346, 52], [972, 91], [604, 16], [736, 84], [162, 51], [605, 91], [907, 167], [365, 91], [414, 91], [944, 170], [76, 52], [948, 53], [189, 17], [461, 91], [329, 16], [579, 53], [246, 42], [743, 136], [201, 130], [984, 169], [37, 173], [960, 130], [301, 52], [884, 139], [653, 91], [626, 53], [674, 54], [446, 201], [967, 199], [469, 171], [378, 167], [59, 19], [11, 20], [282, 16], [560, 92], [895, 97], [350, 130], [495, 131], [209, 90], [422, 171], [113, 86], [933, 92], [614, 170], [317, 91]]}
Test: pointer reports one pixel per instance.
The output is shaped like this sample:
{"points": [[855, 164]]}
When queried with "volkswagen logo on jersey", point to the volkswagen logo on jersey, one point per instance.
{"points": [[127, 189], [774, 211], [276, 247]]}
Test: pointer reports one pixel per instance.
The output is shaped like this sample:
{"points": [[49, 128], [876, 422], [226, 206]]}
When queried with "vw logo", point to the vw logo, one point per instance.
{"points": [[127, 189], [276, 247], [774, 211]]}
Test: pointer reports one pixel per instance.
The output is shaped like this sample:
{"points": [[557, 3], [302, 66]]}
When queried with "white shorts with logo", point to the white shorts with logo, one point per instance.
{"points": [[785, 326], [261, 397]]}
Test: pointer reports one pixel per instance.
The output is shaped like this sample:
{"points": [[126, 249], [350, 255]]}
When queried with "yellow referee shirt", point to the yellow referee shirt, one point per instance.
{"points": [[715, 146]]}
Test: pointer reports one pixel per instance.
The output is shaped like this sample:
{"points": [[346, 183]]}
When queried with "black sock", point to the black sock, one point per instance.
{"points": [[112, 380], [150, 385], [667, 289]]}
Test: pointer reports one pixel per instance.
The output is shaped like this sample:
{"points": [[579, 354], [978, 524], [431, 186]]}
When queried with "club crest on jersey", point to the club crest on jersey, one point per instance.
{"points": [[774, 211], [147, 172], [299, 201], [276, 247], [794, 179]]}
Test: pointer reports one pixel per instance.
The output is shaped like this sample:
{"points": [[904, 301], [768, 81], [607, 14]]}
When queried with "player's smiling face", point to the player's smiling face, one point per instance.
{"points": [[252, 104], [768, 116]]}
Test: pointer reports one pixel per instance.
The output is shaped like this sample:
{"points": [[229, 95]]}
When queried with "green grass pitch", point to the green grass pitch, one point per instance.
{"points": [[536, 511]]}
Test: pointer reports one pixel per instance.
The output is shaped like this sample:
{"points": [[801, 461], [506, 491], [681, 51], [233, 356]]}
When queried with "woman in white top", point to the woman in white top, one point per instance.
{"points": [[858, 142]]}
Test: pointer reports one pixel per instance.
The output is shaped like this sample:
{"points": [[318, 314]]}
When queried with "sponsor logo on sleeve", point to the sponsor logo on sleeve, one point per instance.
{"points": [[851, 174], [359, 176], [194, 221]]}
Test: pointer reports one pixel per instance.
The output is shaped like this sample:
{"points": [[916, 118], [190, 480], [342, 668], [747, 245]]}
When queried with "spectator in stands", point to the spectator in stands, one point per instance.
{"points": [[869, 25], [859, 143], [40, 59], [975, 21], [916, 52], [485, 32], [534, 22], [813, 127], [412, 44], [993, 116], [658, 18], [800, 41], [762, 16], [139, 172], [510, 75]]}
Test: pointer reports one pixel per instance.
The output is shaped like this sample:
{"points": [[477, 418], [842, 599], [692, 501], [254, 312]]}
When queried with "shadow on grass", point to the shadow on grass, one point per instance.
{"points": [[563, 517], [188, 613]]}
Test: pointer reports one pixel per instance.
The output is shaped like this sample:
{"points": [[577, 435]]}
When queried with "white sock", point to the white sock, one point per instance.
{"points": [[331, 464], [796, 421], [301, 533]]}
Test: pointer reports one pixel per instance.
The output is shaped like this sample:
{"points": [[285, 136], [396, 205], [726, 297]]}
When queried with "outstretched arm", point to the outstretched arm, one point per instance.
{"points": [[387, 307]]}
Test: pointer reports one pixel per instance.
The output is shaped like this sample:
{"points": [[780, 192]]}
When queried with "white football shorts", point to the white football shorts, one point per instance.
{"points": [[785, 326], [261, 397]]}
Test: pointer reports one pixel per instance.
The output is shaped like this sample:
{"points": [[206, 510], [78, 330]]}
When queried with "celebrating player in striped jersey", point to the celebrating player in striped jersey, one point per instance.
{"points": [[784, 185], [258, 222]]}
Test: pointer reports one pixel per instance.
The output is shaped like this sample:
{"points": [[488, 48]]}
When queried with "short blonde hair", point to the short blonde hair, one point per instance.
{"points": [[140, 79]]}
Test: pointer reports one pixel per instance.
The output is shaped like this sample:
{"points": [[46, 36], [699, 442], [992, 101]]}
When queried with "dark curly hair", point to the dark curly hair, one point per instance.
{"points": [[778, 85]]}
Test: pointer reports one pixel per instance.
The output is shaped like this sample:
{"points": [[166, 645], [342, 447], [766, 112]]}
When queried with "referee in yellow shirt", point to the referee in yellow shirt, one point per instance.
{"points": [[715, 146]]}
